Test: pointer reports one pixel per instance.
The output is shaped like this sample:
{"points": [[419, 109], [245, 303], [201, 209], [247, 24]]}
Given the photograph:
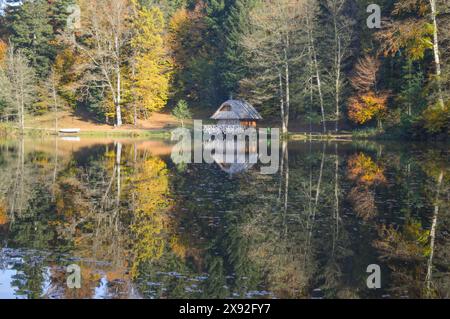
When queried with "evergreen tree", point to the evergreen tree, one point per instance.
{"points": [[29, 30]]}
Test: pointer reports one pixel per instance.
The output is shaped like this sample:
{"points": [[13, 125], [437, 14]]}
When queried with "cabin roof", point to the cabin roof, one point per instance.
{"points": [[238, 110]]}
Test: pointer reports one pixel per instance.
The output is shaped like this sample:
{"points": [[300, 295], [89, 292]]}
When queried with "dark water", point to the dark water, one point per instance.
{"points": [[139, 226]]}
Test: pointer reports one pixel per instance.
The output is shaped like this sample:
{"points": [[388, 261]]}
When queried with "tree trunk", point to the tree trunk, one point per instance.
{"points": [[21, 97], [283, 117], [338, 77], [55, 101], [287, 88], [133, 73], [433, 232], [118, 161], [437, 59], [336, 192], [316, 67], [118, 100]]}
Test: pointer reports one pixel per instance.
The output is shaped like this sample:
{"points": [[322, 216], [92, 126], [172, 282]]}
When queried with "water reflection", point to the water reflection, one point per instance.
{"points": [[140, 226]]}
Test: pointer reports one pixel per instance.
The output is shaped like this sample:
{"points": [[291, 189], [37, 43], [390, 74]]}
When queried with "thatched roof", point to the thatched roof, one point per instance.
{"points": [[236, 110]]}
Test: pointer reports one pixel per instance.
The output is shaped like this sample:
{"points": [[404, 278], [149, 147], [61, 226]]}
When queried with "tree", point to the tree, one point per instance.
{"points": [[52, 85], [367, 103], [271, 51], [101, 40], [437, 57], [368, 106], [17, 81], [196, 51], [151, 65], [234, 63], [341, 26], [29, 30], [418, 34], [364, 76], [311, 16], [182, 112]]}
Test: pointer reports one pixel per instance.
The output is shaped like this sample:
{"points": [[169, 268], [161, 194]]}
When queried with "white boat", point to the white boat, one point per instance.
{"points": [[69, 130]]}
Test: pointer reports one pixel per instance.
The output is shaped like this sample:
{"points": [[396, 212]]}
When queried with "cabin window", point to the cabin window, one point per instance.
{"points": [[226, 108]]}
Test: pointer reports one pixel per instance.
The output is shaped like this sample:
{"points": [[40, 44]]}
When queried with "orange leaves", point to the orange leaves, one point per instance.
{"points": [[364, 76], [3, 214], [364, 108], [412, 35], [364, 170], [366, 173], [367, 104], [3, 51]]}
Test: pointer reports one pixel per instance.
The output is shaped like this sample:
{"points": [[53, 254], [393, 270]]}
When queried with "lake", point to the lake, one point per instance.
{"points": [[136, 225]]}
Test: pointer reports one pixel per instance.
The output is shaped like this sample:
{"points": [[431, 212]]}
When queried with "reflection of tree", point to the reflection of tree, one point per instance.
{"points": [[3, 213], [150, 215], [409, 248], [128, 218], [366, 173]]}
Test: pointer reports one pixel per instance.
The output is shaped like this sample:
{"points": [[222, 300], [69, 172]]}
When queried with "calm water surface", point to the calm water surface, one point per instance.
{"points": [[140, 226]]}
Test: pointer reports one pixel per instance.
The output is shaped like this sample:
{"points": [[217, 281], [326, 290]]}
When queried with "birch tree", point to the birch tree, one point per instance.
{"points": [[101, 40], [437, 58], [341, 44], [310, 14], [17, 80], [271, 44]]}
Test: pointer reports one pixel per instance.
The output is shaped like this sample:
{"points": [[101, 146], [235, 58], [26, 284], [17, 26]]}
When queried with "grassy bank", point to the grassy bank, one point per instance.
{"points": [[7, 130], [320, 137]]}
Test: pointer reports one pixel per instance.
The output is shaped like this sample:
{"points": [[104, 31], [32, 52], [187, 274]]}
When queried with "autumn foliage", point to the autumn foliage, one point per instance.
{"points": [[3, 215], [364, 170], [366, 107], [366, 173], [3, 50]]}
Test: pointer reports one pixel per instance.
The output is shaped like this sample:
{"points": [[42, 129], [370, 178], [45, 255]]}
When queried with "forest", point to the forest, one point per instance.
{"points": [[325, 66]]}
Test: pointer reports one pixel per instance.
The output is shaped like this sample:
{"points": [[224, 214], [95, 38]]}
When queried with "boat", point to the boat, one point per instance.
{"points": [[69, 131]]}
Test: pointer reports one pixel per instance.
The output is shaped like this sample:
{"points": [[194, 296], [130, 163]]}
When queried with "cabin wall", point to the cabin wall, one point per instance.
{"points": [[228, 122], [248, 123]]}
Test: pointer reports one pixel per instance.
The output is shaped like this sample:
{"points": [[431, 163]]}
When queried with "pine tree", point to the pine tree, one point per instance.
{"points": [[30, 31], [234, 64]]}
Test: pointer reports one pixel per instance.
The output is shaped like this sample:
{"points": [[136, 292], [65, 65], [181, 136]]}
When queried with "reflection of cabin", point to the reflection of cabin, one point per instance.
{"points": [[243, 163], [236, 112]]}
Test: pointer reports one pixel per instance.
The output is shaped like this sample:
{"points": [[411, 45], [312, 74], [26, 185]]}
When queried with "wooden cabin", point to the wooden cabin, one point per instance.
{"points": [[236, 112]]}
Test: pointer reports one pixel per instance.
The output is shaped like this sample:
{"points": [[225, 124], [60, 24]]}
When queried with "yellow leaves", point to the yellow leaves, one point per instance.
{"points": [[149, 26], [364, 108], [178, 248], [186, 35], [177, 27], [364, 170], [150, 84], [151, 219]]}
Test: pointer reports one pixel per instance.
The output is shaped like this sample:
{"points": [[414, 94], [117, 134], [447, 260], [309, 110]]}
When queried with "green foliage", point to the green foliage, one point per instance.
{"points": [[29, 29], [181, 111], [437, 119], [411, 93]]}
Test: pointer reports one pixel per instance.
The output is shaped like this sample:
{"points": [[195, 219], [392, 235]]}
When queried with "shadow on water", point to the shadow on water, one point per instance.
{"points": [[140, 226]]}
